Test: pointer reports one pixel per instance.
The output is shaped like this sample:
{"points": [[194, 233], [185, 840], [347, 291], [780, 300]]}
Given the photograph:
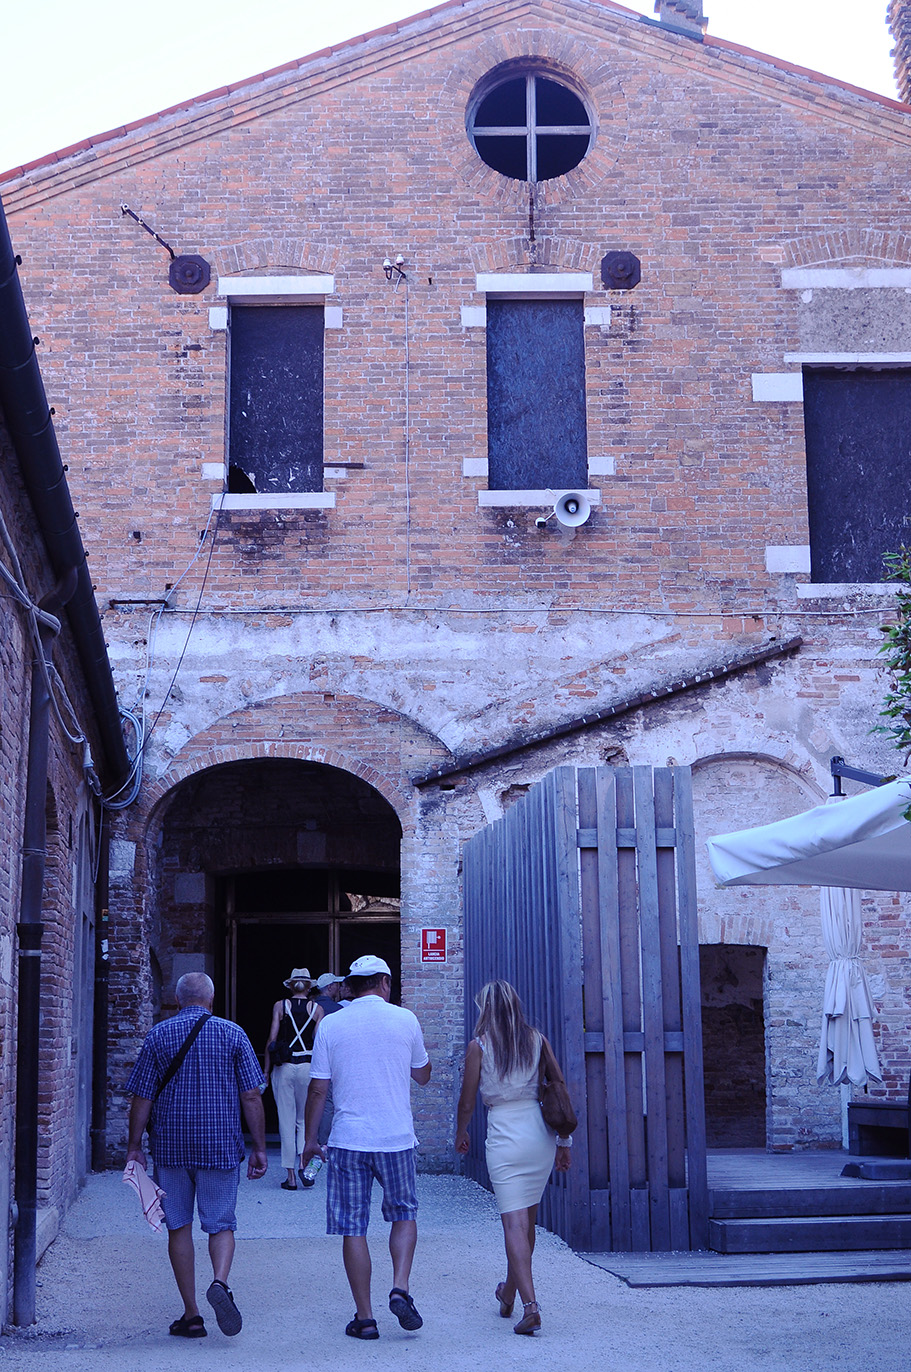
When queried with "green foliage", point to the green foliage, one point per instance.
{"points": [[896, 648]]}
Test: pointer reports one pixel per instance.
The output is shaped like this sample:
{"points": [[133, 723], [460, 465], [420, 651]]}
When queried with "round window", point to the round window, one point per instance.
{"points": [[529, 126]]}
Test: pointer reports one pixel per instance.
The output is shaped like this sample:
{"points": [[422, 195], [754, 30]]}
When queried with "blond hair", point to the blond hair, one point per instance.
{"points": [[510, 1039]]}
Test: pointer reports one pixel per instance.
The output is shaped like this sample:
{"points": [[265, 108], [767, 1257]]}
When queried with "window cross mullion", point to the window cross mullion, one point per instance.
{"points": [[531, 122]]}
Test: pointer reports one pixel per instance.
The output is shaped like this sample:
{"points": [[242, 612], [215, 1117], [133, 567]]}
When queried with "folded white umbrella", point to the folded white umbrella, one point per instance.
{"points": [[847, 1046], [863, 842]]}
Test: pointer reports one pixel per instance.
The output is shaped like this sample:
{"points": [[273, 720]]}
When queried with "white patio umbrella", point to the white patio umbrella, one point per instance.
{"points": [[863, 843]]}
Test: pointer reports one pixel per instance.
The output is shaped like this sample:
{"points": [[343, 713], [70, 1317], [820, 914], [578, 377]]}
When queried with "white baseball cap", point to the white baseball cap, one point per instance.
{"points": [[369, 966], [328, 979]]}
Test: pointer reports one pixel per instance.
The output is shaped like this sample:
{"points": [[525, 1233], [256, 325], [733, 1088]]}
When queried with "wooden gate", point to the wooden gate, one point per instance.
{"points": [[583, 896]]}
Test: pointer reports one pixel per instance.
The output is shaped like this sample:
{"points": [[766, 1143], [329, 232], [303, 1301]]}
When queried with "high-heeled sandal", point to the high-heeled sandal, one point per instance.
{"points": [[530, 1322], [505, 1309]]}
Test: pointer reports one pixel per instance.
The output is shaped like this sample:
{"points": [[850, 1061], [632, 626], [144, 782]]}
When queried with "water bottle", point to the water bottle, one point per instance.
{"points": [[311, 1171]]}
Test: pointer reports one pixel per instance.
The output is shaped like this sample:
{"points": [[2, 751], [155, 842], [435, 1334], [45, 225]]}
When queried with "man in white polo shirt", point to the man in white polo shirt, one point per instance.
{"points": [[370, 1054]]}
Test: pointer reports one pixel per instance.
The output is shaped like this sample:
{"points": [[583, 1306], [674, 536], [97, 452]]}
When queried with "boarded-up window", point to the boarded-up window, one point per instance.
{"points": [[275, 435], [858, 435], [536, 436]]}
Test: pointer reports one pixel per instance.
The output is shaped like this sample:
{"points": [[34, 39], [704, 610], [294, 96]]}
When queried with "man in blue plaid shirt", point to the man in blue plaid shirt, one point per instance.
{"points": [[196, 1140]]}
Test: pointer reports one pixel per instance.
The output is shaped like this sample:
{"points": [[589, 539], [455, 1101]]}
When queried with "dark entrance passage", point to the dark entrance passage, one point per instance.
{"points": [[341, 915], [270, 864], [733, 1038]]}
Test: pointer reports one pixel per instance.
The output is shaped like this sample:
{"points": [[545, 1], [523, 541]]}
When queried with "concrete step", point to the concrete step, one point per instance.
{"points": [[816, 1233]]}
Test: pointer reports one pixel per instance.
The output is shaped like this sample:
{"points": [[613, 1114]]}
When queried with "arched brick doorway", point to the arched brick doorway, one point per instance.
{"points": [[271, 863]]}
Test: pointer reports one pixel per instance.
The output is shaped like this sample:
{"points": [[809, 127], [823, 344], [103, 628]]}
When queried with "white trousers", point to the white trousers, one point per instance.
{"points": [[289, 1087]]}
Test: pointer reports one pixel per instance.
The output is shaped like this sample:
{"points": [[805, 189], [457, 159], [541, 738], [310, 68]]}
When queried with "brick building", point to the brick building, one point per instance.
{"points": [[425, 283], [60, 744]]}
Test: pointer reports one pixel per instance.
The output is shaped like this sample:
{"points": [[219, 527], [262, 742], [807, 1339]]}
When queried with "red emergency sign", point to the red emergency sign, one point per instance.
{"points": [[433, 945]]}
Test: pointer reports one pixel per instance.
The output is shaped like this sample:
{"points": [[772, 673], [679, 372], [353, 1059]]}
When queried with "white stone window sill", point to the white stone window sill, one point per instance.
{"points": [[278, 500], [831, 590], [544, 499]]}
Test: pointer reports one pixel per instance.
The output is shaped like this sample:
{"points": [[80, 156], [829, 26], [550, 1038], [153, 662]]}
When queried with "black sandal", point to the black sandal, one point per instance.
{"points": [[403, 1307], [189, 1327], [362, 1329]]}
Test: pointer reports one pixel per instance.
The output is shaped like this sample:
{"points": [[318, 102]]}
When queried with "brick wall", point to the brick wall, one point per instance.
{"points": [[406, 626], [65, 1053]]}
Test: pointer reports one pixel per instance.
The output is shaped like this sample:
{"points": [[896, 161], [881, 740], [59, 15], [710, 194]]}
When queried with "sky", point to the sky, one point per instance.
{"points": [[68, 70]]}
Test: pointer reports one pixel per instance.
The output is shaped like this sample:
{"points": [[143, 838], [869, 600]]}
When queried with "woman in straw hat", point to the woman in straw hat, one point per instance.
{"points": [[288, 1061]]}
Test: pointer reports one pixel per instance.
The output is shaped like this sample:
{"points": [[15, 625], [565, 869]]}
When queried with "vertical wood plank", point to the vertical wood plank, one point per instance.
{"points": [[670, 980], [652, 1008], [628, 911], [639, 1217], [615, 1103], [592, 987], [692, 1008], [572, 1044]]}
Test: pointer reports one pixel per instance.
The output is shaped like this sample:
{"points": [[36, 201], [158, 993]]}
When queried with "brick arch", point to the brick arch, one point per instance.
{"points": [[567, 254], [850, 245], [754, 916], [786, 763], [189, 766], [271, 254], [576, 59]]}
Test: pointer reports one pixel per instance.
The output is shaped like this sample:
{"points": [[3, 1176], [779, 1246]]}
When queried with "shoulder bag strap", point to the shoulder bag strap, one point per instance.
{"points": [[549, 1065], [176, 1062]]}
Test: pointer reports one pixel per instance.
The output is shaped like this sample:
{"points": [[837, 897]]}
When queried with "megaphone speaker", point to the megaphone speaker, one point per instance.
{"points": [[572, 509]]}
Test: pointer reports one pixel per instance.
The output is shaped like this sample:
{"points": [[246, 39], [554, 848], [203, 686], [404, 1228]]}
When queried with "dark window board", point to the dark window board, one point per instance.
{"points": [[858, 444], [536, 427], [275, 415]]}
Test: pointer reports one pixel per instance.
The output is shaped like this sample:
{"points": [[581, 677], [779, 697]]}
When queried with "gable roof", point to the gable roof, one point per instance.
{"points": [[191, 119]]}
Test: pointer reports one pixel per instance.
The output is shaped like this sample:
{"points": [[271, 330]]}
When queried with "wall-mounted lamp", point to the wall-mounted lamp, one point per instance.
{"points": [[394, 271]]}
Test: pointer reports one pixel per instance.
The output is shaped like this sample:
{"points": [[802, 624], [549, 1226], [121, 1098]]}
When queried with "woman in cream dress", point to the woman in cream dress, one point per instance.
{"points": [[503, 1060]]}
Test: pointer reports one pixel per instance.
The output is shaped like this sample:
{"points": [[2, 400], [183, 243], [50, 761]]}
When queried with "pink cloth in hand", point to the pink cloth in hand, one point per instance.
{"points": [[135, 1175]]}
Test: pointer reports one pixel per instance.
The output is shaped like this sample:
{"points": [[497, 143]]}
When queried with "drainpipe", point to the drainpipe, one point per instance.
{"points": [[100, 1002], [30, 930]]}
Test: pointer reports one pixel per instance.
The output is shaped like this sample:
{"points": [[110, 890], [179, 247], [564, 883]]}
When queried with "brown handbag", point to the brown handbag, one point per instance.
{"points": [[553, 1093]]}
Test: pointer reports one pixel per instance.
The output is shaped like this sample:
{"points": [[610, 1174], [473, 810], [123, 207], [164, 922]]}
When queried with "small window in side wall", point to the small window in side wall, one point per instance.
{"points": [[536, 432], [858, 440], [275, 412]]}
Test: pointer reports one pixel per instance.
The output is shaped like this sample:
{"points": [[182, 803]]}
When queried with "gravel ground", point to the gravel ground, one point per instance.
{"points": [[106, 1298]]}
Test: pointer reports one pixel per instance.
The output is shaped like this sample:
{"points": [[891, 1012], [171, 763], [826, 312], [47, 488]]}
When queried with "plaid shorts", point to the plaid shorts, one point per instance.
{"points": [[350, 1183], [214, 1190]]}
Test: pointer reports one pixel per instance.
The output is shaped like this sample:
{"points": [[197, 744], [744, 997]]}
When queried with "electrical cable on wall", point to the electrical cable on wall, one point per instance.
{"points": [[395, 272], [137, 716], [72, 730]]}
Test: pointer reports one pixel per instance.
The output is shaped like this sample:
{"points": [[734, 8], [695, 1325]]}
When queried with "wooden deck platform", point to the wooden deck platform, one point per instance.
{"points": [[752, 1269], [755, 1192], [745, 1169]]}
